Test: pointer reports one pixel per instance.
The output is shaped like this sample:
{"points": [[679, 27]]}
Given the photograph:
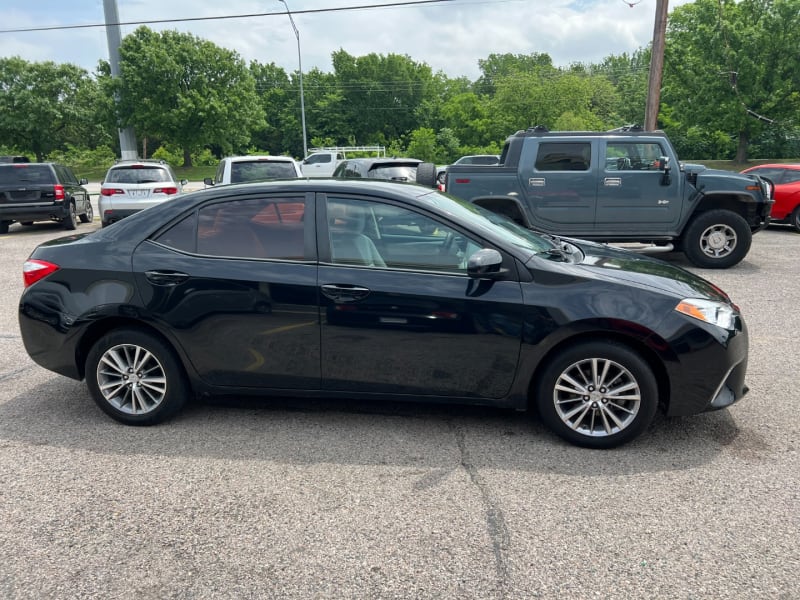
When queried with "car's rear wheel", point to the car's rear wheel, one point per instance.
{"points": [[795, 218], [597, 394], [71, 220], [717, 239], [135, 377], [89, 214], [4, 226]]}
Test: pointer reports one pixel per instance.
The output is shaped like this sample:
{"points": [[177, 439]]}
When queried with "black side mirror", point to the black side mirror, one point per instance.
{"points": [[486, 263], [83, 181], [208, 181]]}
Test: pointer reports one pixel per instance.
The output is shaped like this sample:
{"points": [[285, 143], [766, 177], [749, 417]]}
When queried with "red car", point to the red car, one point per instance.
{"points": [[786, 178]]}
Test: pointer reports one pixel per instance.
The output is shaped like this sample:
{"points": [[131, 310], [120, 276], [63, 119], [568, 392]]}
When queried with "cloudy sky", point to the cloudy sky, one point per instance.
{"points": [[450, 36]]}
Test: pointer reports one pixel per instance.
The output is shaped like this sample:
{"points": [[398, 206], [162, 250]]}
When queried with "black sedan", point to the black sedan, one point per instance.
{"points": [[376, 290]]}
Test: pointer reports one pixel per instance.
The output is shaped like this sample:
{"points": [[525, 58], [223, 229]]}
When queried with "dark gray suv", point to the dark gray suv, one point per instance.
{"points": [[42, 192]]}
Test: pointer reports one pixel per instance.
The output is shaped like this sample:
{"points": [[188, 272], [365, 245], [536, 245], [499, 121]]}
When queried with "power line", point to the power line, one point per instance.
{"points": [[222, 17]]}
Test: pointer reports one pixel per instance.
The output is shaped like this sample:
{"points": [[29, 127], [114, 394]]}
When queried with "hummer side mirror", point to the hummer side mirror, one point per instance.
{"points": [[664, 167]]}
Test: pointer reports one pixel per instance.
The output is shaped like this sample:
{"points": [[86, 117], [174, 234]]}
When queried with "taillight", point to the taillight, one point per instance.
{"points": [[111, 191], [166, 190], [33, 270], [59, 192]]}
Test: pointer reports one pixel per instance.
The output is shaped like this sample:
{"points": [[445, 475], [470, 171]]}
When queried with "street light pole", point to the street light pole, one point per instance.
{"points": [[300, 65]]}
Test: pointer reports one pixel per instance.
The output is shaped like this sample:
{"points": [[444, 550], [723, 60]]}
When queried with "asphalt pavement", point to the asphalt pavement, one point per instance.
{"points": [[308, 499]]}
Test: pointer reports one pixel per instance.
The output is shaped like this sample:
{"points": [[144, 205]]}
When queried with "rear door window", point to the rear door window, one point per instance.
{"points": [[558, 156]]}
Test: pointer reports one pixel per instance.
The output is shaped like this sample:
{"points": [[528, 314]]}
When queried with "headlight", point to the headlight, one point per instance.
{"points": [[716, 313]]}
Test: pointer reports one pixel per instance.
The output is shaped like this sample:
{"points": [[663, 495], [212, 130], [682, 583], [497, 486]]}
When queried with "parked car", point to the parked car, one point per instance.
{"points": [[393, 169], [244, 169], [478, 159], [377, 290], [322, 163], [32, 192], [14, 159], [131, 186], [786, 178]]}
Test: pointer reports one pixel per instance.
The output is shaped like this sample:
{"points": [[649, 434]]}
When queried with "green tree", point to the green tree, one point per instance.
{"points": [[380, 94], [734, 66], [186, 91], [45, 106]]}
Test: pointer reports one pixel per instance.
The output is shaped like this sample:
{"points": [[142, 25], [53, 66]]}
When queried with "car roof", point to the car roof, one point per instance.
{"points": [[384, 161], [791, 166], [256, 157]]}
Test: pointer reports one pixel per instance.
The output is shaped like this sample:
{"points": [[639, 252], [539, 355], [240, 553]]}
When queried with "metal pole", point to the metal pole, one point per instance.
{"points": [[656, 66], [300, 65], [127, 137]]}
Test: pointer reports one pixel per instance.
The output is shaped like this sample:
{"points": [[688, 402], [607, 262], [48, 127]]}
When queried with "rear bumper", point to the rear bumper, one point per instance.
{"points": [[40, 212]]}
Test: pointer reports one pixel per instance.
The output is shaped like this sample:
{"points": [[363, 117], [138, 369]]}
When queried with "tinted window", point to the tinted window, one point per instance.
{"points": [[26, 174], [573, 156], [260, 170], [181, 236], [393, 172], [254, 228], [790, 176], [318, 159], [137, 174]]}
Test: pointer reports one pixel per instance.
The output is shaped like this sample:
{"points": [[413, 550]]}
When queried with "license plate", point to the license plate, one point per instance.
{"points": [[139, 193]]}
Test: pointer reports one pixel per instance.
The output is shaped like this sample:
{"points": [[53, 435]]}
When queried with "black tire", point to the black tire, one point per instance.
{"points": [[795, 218], [717, 239], [71, 220], [4, 226], [604, 417], [26, 223], [135, 378], [89, 214], [426, 174]]}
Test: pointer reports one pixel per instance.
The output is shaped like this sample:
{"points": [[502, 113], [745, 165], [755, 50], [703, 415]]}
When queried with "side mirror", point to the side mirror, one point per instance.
{"points": [[664, 167], [184, 181], [208, 181], [83, 181], [486, 263]]}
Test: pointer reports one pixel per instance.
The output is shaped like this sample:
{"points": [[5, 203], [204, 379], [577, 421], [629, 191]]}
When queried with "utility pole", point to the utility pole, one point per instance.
{"points": [[127, 137], [656, 66]]}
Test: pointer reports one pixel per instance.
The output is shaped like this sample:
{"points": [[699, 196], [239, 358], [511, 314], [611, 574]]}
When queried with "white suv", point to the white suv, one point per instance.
{"points": [[242, 169], [133, 185]]}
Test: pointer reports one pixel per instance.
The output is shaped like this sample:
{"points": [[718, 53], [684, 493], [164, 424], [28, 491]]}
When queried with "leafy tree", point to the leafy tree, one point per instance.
{"points": [[734, 66], [44, 106], [380, 94], [187, 91]]}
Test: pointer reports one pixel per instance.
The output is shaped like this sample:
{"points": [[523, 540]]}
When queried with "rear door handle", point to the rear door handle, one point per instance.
{"points": [[166, 278], [344, 292]]}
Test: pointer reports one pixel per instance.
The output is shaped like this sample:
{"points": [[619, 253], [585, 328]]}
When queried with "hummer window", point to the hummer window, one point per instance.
{"points": [[572, 156], [633, 156]]}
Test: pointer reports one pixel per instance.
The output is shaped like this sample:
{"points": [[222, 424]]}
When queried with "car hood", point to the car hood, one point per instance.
{"points": [[612, 263], [705, 173]]}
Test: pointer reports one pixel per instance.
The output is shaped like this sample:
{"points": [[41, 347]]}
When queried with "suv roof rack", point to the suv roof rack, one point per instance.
{"points": [[626, 128]]}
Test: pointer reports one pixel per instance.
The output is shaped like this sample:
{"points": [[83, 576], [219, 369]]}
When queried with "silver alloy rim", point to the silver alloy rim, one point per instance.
{"points": [[718, 241], [597, 397], [131, 379], [89, 212]]}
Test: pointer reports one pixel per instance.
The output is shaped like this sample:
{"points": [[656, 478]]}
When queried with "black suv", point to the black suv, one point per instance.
{"points": [[42, 192], [392, 169]]}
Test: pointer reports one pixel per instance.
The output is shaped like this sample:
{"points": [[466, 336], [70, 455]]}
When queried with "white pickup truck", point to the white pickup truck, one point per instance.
{"points": [[322, 162]]}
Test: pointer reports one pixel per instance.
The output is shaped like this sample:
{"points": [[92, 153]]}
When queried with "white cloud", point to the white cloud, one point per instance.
{"points": [[450, 37]]}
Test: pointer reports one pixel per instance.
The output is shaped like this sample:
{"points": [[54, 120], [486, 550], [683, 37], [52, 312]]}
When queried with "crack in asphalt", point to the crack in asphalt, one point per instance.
{"points": [[495, 521], [15, 372]]}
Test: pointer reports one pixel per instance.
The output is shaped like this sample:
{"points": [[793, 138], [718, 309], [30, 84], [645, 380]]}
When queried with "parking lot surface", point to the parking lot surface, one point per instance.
{"points": [[309, 499]]}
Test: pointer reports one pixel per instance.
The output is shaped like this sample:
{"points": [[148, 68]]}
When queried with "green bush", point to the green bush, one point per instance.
{"points": [[85, 162]]}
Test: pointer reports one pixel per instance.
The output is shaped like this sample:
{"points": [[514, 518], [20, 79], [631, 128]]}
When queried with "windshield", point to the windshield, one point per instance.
{"points": [[483, 221], [260, 170], [22, 174], [137, 174]]}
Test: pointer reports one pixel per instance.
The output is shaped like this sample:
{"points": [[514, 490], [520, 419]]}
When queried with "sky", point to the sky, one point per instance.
{"points": [[450, 36]]}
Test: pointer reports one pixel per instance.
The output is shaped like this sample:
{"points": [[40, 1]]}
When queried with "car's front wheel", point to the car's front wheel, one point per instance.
{"points": [[597, 394], [795, 218], [135, 377], [717, 239]]}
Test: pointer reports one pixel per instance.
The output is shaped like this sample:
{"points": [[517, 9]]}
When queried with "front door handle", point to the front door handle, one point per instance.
{"points": [[344, 292], [166, 278]]}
